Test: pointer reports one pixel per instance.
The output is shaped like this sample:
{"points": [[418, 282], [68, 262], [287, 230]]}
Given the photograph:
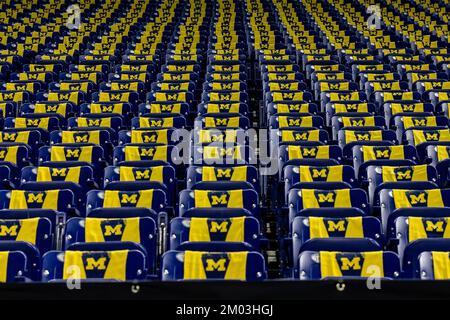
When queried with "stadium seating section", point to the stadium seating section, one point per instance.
{"points": [[128, 150]]}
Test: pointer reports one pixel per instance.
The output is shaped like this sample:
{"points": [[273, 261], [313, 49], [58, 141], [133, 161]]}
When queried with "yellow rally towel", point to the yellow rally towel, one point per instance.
{"points": [[134, 153], [443, 152], [441, 265], [232, 122], [323, 198], [412, 173], [300, 152], [358, 122], [150, 136], [34, 199], [210, 199], [416, 198], [350, 107], [208, 136], [32, 123], [409, 122], [329, 174], [71, 174], [19, 230], [290, 135], [422, 228], [9, 154], [374, 135], [210, 265], [364, 264], [294, 107], [400, 108], [229, 174], [345, 227], [21, 136], [101, 230], [87, 122], [141, 174], [59, 153], [108, 108], [81, 137], [223, 107], [155, 122], [205, 229], [105, 265], [375, 153], [4, 255], [285, 121], [165, 108], [118, 199], [212, 152], [421, 136]]}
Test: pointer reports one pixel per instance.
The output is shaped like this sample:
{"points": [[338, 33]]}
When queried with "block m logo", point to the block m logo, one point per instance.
{"points": [[215, 265]]}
